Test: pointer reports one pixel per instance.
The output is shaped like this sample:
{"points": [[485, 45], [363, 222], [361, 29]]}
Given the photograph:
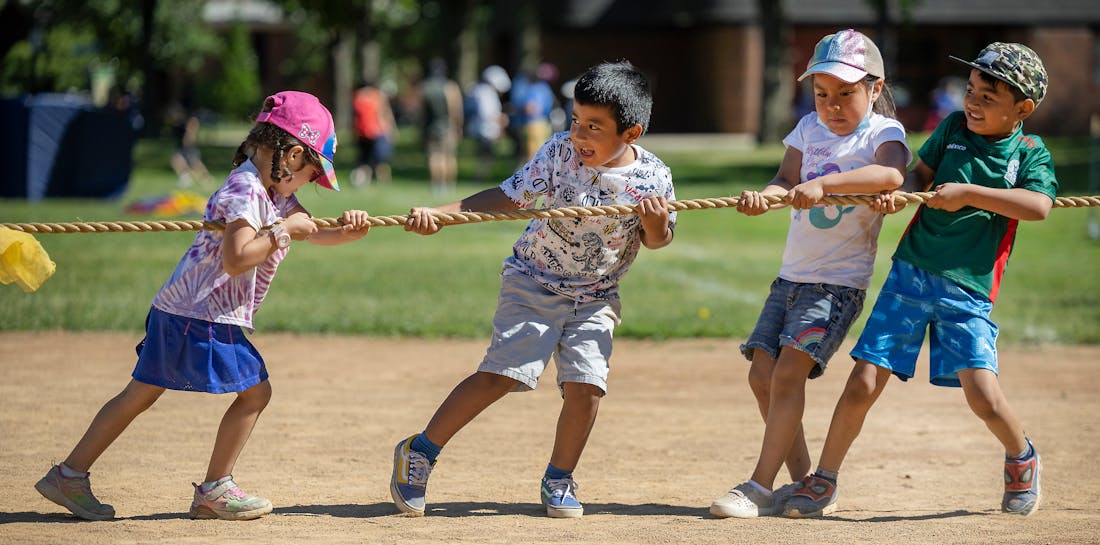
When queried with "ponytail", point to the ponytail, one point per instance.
{"points": [[884, 104]]}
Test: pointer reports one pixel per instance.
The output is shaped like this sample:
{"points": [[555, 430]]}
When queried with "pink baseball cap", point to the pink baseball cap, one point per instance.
{"points": [[847, 55], [304, 117]]}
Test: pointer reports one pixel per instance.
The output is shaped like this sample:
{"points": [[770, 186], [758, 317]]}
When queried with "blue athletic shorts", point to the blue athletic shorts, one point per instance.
{"points": [[194, 355], [913, 301], [813, 318], [532, 324]]}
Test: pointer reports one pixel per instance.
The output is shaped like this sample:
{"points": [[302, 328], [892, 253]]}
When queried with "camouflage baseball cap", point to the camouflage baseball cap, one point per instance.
{"points": [[1014, 64]]}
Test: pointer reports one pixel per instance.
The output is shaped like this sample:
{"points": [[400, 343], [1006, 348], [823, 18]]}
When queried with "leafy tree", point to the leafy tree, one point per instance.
{"points": [[48, 45], [235, 92]]}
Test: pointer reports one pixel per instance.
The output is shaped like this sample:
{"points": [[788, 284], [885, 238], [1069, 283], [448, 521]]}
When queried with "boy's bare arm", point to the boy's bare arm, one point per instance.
{"points": [[1018, 203], [421, 220]]}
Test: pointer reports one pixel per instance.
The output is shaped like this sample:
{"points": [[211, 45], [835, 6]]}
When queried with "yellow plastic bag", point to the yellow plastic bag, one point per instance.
{"points": [[23, 261]]}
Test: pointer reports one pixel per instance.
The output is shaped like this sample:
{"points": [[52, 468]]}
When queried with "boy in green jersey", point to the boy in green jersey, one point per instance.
{"points": [[988, 175]]}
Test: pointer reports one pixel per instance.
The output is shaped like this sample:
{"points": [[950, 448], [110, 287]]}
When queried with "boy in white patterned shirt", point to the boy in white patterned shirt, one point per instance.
{"points": [[559, 294]]}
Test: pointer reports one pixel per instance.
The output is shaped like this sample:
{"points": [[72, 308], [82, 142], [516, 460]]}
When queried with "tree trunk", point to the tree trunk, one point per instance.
{"points": [[342, 53], [887, 38], [778, 97], [152, 100], [466, 65]]}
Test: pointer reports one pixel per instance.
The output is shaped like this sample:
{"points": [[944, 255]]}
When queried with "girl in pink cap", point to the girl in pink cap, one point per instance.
{"points": [[194, 339], [850, 144]]}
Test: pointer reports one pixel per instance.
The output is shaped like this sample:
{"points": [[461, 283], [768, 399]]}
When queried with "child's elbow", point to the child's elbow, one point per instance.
{"points": [[894, 180], [233, 271], [233, 267], [1038, 208], [1038, 214]]}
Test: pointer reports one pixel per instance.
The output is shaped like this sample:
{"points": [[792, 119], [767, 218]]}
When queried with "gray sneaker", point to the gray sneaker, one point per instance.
{"points": [[745, 501], [1022, 484], [74, 494]]}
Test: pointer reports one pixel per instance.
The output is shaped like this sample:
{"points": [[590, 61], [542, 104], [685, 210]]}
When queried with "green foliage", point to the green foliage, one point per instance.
{"points": [[78, 34], [235, 92], [711, 281]]}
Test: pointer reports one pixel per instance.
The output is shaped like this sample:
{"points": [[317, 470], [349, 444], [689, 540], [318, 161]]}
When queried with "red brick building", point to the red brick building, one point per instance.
{"points": [[706, 57]]}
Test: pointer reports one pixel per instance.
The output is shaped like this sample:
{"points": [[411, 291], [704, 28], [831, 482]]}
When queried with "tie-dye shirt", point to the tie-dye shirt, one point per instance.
{"points": [[582, 258], [200, 287]]}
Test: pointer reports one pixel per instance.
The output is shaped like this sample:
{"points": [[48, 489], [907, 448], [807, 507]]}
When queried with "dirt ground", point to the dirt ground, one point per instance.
{"points": [[678, 428]]}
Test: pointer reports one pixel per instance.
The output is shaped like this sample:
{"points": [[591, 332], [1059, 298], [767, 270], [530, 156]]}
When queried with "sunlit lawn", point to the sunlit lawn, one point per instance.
{"points": [[710, 282]]}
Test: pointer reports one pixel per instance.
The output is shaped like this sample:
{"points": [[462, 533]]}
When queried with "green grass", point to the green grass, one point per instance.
{"points": [[710, 282]]}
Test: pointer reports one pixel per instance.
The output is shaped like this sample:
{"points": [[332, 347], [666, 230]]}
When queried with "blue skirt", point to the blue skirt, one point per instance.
{"points": [[194, 355]]}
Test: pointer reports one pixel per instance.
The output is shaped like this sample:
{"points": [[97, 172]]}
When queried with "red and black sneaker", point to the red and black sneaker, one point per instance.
{"points": [[815, 497], [1022, 484]]}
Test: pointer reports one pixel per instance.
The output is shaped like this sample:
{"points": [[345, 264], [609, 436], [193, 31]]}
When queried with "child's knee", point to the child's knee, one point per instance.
{"points": [[984, 405], [859, 391], [581, 391], [257, 396], [138, 396], [494, 382], [760, 381]]}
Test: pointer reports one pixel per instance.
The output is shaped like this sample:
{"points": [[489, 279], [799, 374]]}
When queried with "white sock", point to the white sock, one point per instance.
{"points": [[760, 488], [70, 473]]}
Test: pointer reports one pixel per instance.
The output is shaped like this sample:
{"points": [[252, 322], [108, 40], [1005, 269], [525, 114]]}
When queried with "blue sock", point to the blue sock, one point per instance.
{"points": [[554, 473], [429, 449]]}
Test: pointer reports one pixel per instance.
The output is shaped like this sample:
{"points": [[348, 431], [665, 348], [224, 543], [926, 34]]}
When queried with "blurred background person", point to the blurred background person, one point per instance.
{"points": [[441, 120], [538, 103], [947, 97], [567, 103], [375, 130], [186, 160], [486, 120], [517, 116]]}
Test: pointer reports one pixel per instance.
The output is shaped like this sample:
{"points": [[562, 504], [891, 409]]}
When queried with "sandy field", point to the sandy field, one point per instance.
{"points": [[678, 428]]}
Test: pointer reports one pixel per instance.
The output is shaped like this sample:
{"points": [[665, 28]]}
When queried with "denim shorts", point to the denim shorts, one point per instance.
{"points": [[532, 324], [914, 301], [813, 318]]}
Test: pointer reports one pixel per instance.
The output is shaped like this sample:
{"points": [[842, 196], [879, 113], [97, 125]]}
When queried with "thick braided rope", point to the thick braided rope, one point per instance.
{"points": [[478, 217]]}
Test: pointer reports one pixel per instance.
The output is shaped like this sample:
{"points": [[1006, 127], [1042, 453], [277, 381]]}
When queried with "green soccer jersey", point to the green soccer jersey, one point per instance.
{"points": [[971, 246]]}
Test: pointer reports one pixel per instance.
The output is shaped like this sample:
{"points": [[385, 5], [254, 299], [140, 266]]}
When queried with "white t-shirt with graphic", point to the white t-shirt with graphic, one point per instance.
{"points": [[582, 258], [829, 243], [200, 287]]}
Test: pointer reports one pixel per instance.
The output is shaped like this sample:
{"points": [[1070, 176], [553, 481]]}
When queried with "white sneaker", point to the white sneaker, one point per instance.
{"points": [[745, 501]]}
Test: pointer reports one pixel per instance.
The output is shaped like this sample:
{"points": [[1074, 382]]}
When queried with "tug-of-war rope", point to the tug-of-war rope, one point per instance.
{"points": [[478, 217]]}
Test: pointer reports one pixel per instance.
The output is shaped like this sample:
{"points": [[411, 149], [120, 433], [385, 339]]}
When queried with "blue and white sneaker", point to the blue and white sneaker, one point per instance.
{"points": [[410, 478], [559, 499], [1022, 484]]}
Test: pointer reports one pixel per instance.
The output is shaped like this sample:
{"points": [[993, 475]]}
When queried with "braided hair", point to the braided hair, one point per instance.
{"points": [[266, 134]]}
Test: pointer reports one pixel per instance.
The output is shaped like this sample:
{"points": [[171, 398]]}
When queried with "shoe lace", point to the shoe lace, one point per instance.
{"points": [[82, 485], [419, 469], [236, 492], [562, 487]]}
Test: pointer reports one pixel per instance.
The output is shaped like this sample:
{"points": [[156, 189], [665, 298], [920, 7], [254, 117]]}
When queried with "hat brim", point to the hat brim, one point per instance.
{"points": [[328, 177], [980, 68], [844, 72]]}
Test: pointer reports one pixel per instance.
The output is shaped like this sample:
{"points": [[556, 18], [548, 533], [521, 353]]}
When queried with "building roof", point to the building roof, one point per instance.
{"points": [[687, 13]]}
